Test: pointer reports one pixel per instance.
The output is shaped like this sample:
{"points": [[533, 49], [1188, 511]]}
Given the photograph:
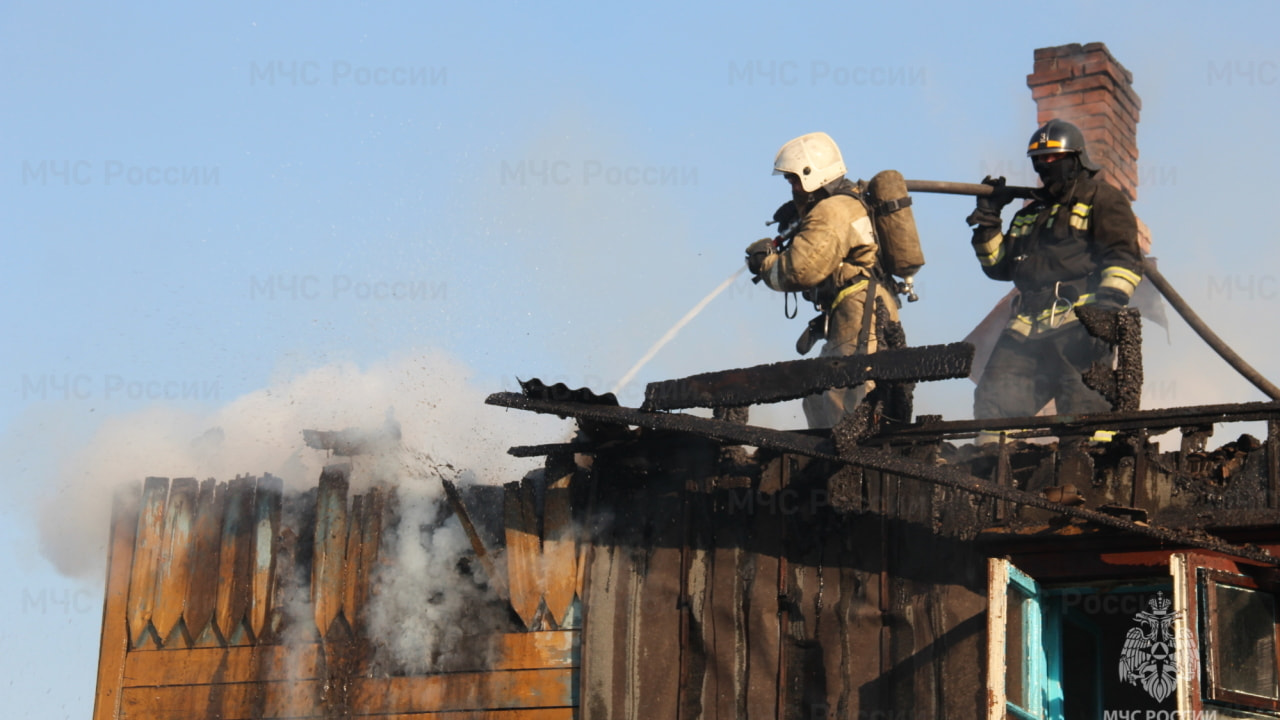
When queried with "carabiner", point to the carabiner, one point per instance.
{"points": [[1053, 309]]}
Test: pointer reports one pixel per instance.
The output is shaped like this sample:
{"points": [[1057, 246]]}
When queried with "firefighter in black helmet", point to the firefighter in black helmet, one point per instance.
{"points": [[1075, 244]]}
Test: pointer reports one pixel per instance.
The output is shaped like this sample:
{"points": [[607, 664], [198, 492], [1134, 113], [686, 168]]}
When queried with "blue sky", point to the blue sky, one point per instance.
{"points": [[298, 214]]}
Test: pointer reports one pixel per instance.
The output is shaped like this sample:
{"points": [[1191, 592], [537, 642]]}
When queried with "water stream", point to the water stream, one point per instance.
{"points": [[675, 329]]}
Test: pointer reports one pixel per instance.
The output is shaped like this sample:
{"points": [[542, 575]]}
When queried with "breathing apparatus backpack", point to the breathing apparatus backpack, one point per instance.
{"points": [[889, 204]]}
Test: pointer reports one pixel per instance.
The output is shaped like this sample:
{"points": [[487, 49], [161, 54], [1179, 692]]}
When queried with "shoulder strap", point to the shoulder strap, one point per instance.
{"points": [[858, 191]]}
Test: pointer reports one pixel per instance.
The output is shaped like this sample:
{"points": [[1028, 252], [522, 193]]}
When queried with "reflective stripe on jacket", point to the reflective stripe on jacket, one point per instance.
{"points": [[1089, 242]]}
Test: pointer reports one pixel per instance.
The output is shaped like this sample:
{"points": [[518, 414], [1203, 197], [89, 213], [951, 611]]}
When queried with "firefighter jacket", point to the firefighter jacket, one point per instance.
{"points": [[1060, 252], [833, 250]]}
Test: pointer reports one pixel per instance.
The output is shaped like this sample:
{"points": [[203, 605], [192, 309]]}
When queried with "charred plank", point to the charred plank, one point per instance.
{"points": [[817, 446], [1151, 420], [793, 379]]}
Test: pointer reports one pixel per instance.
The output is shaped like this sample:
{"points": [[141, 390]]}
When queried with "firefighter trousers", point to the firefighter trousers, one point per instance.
{"points": [[843, 329], [1023, 375]]}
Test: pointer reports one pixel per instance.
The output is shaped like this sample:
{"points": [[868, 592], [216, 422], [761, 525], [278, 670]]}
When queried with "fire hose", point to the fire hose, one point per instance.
{"points": [[1197, 324]]}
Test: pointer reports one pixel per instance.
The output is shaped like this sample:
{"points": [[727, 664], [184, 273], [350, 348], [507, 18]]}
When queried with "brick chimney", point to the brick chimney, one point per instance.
{"points": [[1086, 86]]}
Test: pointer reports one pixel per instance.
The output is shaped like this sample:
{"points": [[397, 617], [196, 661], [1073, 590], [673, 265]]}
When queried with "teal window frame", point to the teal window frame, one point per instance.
{"points": [[1034, 651], [1044, 616]]}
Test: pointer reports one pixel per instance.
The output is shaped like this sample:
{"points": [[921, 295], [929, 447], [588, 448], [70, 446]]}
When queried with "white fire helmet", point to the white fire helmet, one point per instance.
{"points": [[814, 158]]}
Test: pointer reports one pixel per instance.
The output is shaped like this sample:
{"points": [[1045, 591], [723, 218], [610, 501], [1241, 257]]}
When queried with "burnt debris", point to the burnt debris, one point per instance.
{"points": [[793, 379], [1124, 485]]}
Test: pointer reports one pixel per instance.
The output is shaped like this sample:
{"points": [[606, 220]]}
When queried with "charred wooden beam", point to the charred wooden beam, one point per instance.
{"points": [[793, 379], [821, 447], [552, 449], [1122, 329], [1151, 420], [497, 581]]}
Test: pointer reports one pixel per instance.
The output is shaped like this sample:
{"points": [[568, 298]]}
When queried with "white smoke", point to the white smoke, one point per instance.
{"points": [[440, 412], [427, 611]]}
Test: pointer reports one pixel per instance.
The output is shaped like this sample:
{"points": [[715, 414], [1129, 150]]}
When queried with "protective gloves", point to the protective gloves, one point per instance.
{"points": [[757, 252], [987, 213], [786, 215]]}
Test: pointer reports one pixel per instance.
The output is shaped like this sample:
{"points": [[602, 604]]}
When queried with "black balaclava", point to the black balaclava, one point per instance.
{"points": [[1058, 177]]}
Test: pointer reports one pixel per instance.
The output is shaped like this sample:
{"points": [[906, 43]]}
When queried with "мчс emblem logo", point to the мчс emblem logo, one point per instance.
{"points": [[1149, 654]]}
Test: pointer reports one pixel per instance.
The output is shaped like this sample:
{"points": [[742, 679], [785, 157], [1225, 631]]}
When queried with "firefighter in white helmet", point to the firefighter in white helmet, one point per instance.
{"points": [[831, 258]]}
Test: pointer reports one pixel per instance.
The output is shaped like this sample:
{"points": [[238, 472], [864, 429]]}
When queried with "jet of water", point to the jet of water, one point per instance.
{"points": [[675, 329]]}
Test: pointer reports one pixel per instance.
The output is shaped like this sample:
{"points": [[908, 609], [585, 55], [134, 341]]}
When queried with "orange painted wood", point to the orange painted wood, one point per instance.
{"points": [[174, 573], [370, 540], [237, 701], [528, 651], [465, 691], [550, 649], [214, 666], [204, 666], [330, 547], [351, 588], [115, 631], [146, 559], [266, 533], [522, 714], [453, 692], [202, 589], [559, 550], [524, 551], [235, 558]]}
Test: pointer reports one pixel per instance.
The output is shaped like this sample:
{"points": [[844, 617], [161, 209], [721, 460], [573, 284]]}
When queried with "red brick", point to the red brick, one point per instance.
{"points": [[1093, 97], [1124, 96], [1109, 108], [1123, 92], [1100, 148], [1093, 54], [1106, 110], [1090, 124], [1110, 67], [1072, 61], [1060, 101], [1089, 117], [1057, 74], [1061, 50], [1043, 66], [1047, 90], [1090, 47]]}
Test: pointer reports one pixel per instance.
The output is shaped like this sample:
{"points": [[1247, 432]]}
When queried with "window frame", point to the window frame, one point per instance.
{"points": [[1198, 683], [1045, 695]]}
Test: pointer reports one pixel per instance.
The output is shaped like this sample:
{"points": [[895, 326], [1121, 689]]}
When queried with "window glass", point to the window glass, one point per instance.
{"points": [[1244, 629], [1081, 671]]}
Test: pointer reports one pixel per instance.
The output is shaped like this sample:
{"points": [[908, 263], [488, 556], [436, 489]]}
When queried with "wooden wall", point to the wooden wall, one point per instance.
{"points": [[663, 578], [202, 617], [722, 587]]}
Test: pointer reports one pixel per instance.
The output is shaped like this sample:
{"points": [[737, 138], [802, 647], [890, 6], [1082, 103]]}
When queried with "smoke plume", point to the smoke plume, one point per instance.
{"points": [[441, 415]]}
